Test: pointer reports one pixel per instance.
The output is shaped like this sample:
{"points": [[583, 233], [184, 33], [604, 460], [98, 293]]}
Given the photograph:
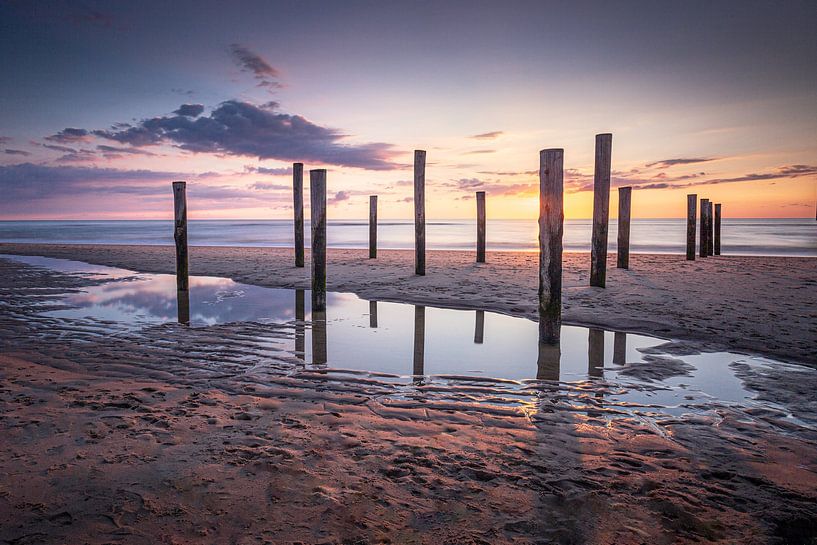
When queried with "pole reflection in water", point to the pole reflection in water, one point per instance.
{"points": [[300, 329], [373, 314], [595, 353], [548, 364], [479, 327], [183, 306], [419, 341], [319, 337], [620, 348]]}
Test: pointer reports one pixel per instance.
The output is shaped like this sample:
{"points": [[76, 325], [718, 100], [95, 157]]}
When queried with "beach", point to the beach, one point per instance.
{"points": [[170, 434], [761, 305]]}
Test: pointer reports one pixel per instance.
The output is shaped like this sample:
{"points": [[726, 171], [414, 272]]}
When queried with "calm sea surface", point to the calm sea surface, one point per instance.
{"points": [[795, 237]]}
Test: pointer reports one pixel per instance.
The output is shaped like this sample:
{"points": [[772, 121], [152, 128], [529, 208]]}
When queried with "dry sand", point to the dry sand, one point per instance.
{"points": [[763, 305], [175, 435]]}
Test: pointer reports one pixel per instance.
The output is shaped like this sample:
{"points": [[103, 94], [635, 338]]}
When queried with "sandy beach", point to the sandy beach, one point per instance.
{"points": [[761, 305]]}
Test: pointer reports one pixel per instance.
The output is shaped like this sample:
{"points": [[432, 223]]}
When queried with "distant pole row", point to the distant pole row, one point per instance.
{"points": [[710, 227]]}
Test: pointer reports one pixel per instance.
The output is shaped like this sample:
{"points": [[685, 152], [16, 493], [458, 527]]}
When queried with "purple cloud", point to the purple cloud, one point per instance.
{"points": [[261, 70], [190, 110], [17, 152], [666, 163], [487, 135], [69, 135]]}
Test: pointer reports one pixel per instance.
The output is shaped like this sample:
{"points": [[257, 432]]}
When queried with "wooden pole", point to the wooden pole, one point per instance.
{"points": [[703, 242], [183, 306], [479, 327], [300, 333], [710, 218], [623, 252], [180, 234], [319, 349], [601, 210], [619, 348], [480, 227], [372, 226], [298, 207], [718, 229], [317, 193], [373, 314], [692, 205], [595, 353], [551, 228], [420, 212], [419, 342]]}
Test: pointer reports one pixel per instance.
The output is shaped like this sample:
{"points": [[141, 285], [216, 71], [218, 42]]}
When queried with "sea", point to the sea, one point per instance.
{"points": [[770, 237]]}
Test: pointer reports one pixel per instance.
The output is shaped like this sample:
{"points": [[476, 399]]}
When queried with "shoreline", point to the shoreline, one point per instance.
{"points": [[748, 304]]}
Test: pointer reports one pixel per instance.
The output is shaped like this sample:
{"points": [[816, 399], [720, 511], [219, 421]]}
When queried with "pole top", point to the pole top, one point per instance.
{"points": [[318, 170], [604, 135], [420, 151], [179, 184]]}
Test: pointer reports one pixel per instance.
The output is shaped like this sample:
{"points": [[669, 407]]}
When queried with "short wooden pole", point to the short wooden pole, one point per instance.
{"points": [[373, 314], [300, 331], [551, 228], [619, 348], [479, 327], [480, 227], [548, 363], [703, 243], [317, 193], [319, 348], [601, 210], [183, 306], [298, 208], [718, 229], [623, 251], [372, 226], [180, 234], [420, 212], [595, 353], [692, 205], [419, 342], [710, 217]]}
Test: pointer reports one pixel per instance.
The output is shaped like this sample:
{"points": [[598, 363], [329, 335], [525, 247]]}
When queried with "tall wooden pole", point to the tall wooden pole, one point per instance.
{"points": [[372, 226], [551, 228], [718, 229], [317, 193], [601, 210], [623, 252], [180, 234], [692, 205], [420, 212], [480, 227], [298, 207], [703, 243], [710, 218]]}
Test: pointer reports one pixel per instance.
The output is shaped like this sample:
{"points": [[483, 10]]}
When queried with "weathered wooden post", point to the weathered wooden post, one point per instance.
{"points": [[692, 204], [480, 227], [548, 362], [420, 212], [479, 327], [183, 306], [317, 193], [703, 243], [601, 210], [718, 229], [595, 353], [619, 348], [180, 234], [300, 333], [372, 226], [373, 314], [298, 208], [419, 342], [319, 349], [623, 252], [710, 218], [551, 228]]}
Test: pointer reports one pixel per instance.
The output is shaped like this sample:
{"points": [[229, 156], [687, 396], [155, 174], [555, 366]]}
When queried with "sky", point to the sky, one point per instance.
{"points": [[103, 104]]}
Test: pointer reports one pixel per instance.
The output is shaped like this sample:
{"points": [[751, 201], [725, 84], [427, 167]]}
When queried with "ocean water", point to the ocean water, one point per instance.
{"points": [[784, 237]]}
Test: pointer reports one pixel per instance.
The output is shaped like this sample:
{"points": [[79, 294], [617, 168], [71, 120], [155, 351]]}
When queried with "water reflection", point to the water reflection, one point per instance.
{"points": [[300, 328], [479, 327], [319, 348], [619, 348], [595, 353], [548, 364], [419, 342], [373, 314], [183, 306]]}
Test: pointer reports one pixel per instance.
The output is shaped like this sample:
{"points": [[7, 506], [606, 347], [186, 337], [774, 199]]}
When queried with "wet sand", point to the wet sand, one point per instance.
{"points": [[762, 305], [175, 435]]}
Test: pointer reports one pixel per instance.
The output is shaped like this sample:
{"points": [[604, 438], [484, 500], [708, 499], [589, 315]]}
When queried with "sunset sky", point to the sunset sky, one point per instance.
{"points": [[103, 104]]}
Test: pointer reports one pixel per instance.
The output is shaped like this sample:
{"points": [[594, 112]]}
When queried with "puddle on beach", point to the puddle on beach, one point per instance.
{"points": [[414, 344]]}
